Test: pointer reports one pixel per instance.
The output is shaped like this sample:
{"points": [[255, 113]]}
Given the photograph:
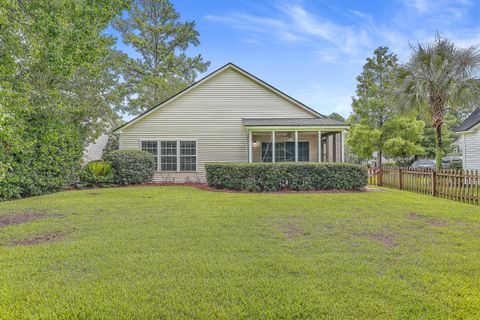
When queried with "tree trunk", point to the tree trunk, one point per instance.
{"points": [[437, 104], [380, 156], [438, 146]]}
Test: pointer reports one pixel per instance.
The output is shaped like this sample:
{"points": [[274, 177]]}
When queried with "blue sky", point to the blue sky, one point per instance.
{"points": [[314, 49]]}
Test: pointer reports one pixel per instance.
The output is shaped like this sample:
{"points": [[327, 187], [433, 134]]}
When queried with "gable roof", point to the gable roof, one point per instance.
{"points": [[471, 121], [213, 74]]}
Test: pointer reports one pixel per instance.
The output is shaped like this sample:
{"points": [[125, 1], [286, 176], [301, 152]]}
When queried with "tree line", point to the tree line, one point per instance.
{"points": [[409, 110], [63, 82]]}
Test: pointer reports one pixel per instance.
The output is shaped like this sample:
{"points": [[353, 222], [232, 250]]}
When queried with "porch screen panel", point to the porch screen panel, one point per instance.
{"points": [[290, 151], [266, 152], [279, 152], [303, 151]]}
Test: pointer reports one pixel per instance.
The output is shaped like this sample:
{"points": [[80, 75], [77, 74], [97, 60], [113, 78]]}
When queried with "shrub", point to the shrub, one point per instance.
{"points": [[456, 165], [389, 164], [291, 176], [97, 173], [48, 160], [131, 166]]}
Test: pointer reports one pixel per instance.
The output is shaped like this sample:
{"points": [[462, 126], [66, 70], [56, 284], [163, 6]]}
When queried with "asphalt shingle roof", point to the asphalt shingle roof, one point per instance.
{"points": [[292, 122], [471, 121]]}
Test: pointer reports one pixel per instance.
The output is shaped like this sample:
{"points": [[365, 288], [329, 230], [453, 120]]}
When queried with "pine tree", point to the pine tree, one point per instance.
{"points": [[154, 30], [372, 105]]}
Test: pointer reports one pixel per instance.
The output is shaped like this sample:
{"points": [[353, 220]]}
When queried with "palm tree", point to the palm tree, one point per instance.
{"points": [[438, 77]]}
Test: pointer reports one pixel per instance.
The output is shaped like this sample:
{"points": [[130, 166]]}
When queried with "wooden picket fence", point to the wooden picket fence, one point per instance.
{"points": [[459, 185]]}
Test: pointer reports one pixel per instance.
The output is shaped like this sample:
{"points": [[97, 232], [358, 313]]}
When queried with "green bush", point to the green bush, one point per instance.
{"points": [[48, 161], [97, 173], [390, 164], [456, 165], [286, 176], [131, 166]]}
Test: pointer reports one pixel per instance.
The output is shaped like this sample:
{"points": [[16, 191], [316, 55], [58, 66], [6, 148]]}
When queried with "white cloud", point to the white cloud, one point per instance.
{"points": [[352, 41], [421, 6], [295, 24]]}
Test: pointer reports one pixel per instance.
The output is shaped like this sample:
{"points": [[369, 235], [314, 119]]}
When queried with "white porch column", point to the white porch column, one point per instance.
{"points": [[250, 147], [273, 146], [319, 145], [296, 146], [342, 143]]}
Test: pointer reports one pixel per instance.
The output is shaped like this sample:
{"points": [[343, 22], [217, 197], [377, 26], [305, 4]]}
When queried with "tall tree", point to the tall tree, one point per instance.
{"points": [[51, 73], [439, 77], [372, 106], [397, 138], [153, 28], [336, 116]]}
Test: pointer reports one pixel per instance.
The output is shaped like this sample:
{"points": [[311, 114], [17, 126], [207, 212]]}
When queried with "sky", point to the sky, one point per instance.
{"points": [[314, 49]]}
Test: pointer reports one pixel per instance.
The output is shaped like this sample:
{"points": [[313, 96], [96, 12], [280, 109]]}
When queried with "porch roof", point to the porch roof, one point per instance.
{"points": [[293, 122]]}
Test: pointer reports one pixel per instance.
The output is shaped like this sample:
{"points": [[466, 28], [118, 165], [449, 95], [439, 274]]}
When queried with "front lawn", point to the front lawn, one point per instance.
{"points": [[184, 253]]}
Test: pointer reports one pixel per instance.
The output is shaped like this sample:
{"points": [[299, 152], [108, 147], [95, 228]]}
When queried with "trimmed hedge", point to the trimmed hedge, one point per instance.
{"points": [[286, 176], [131, 166]]}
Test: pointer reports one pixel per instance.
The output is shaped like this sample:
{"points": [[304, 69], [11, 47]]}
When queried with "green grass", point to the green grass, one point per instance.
{"points": [[183, 253]]}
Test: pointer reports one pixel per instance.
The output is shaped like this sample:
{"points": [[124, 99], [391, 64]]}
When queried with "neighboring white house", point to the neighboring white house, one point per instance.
{"points": [[469, 132], [94, 150], [230, 116]]}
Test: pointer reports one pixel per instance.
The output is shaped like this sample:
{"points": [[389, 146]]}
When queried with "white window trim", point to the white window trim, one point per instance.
{"points": [[159, 150]]}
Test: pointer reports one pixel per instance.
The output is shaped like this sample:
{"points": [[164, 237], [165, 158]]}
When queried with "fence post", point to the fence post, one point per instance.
{"points": [[434, 182], [400, 178]]}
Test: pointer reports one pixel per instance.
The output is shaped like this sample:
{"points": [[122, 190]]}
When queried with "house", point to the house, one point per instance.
{"points": [[230, 116], [94, 150], [469, 140]]}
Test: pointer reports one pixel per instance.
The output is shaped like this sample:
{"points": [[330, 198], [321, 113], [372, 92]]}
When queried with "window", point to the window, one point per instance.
{"points": [[177, 155], [151, 147], [285, 151], [188, 155], [168, 156]]}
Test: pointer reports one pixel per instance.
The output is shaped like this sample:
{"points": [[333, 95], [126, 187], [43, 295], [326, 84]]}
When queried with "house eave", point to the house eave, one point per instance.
{"points": [[296, 128]]}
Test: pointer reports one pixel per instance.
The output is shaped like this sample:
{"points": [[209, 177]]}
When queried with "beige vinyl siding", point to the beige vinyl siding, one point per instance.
{"points": [[472, 154], [212, 114]]}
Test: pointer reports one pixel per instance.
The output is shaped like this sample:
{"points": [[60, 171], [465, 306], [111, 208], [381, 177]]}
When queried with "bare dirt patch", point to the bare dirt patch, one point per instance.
{"points": [[386, 239], [436, 222], [413, 215], [39, 239], [20, 218], [428, 221], [292, 230]]}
